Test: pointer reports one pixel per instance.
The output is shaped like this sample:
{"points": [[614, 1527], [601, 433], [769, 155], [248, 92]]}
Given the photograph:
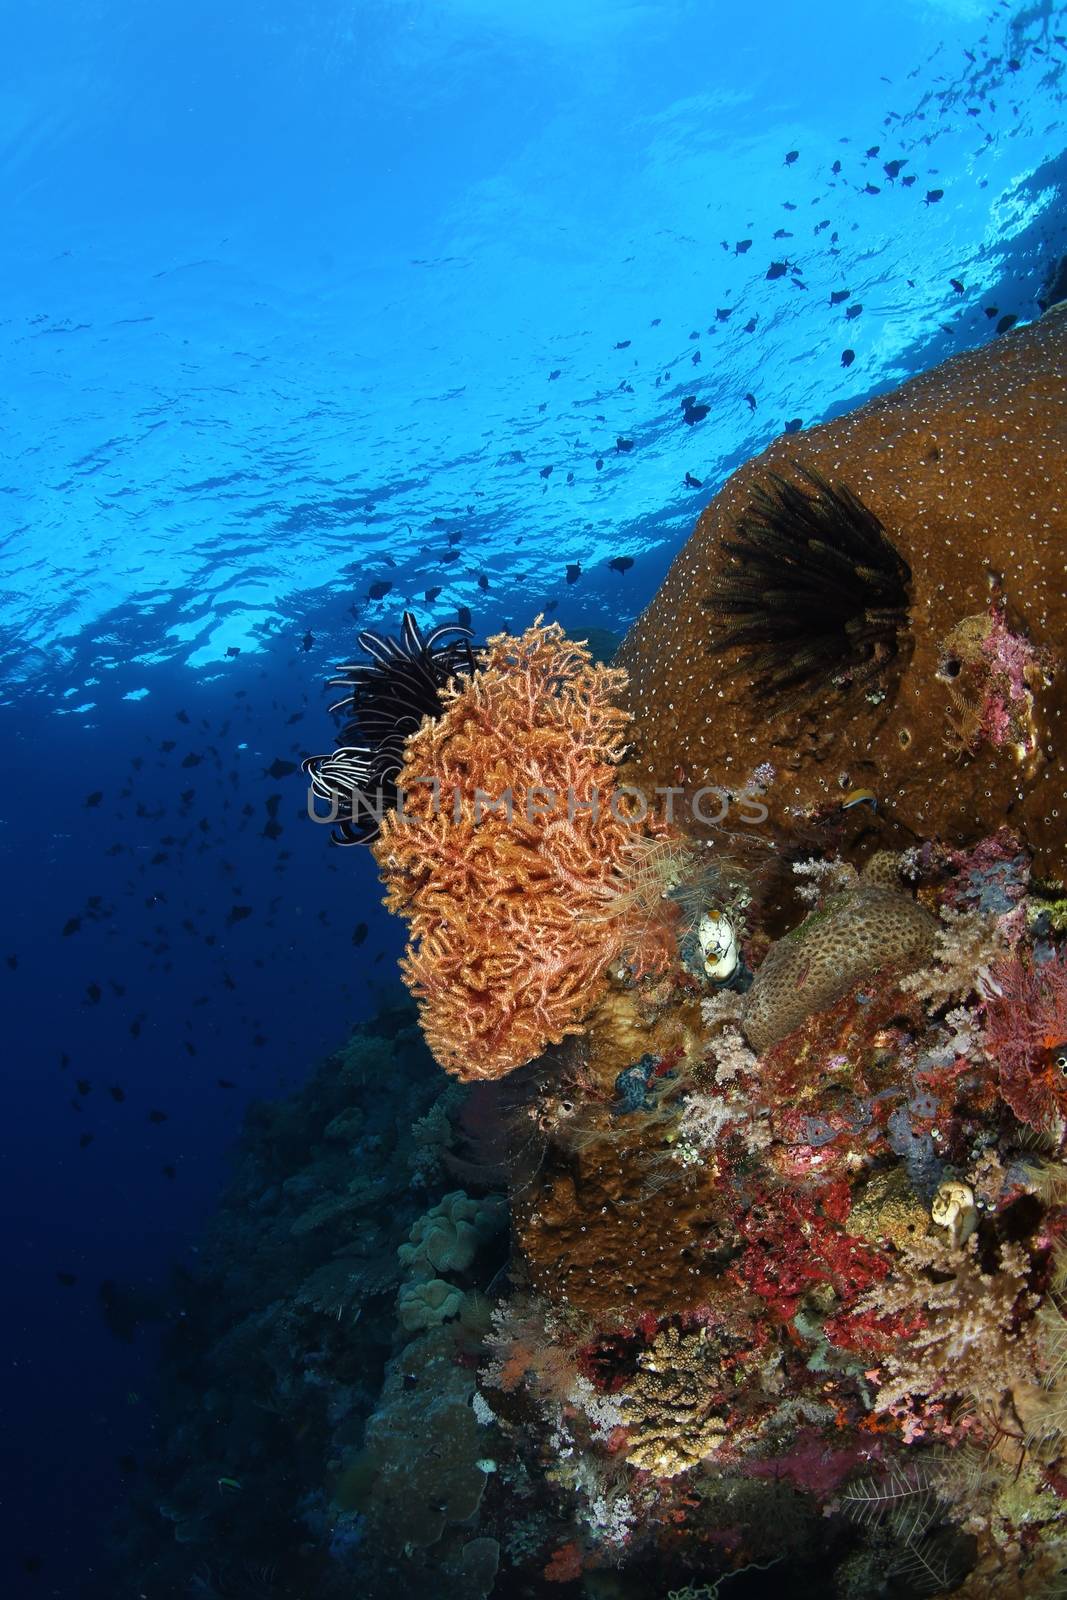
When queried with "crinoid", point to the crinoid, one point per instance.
{"points": [[388, 696], [814, 594]]}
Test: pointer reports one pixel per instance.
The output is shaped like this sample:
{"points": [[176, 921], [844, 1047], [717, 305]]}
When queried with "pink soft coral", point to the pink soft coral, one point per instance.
{"points": [[1026, 1037]]}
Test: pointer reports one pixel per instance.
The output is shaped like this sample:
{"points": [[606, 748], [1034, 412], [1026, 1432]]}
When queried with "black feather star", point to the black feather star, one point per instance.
{"points": [[388, 696], [815, 595]]}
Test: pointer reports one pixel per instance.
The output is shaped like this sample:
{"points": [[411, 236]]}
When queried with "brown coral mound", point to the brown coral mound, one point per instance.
{"points": [[852, 937], [521, 874], [965, 468]]}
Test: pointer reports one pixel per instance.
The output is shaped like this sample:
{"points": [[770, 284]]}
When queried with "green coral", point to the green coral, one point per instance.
{"points": [[448, 1237], [427, 1302]]}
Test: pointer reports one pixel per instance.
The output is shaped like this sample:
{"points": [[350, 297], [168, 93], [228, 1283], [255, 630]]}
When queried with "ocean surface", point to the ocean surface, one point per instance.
{"points": [[311, 314]]}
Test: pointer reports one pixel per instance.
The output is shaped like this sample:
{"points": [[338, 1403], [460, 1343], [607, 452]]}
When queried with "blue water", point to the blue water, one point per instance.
{"points": [[291, 295]]}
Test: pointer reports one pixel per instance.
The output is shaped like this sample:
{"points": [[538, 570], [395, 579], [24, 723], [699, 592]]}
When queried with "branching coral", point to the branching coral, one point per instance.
{"points": [[973, 1339], [515, 861], [671, 1406]]}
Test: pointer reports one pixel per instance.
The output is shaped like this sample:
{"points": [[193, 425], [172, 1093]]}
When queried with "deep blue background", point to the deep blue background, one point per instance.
{"points": [[290, 294]]}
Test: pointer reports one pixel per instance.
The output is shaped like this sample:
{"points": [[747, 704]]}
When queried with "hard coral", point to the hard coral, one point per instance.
{"points": [[853, 936], [965, 469], [515, 859]]}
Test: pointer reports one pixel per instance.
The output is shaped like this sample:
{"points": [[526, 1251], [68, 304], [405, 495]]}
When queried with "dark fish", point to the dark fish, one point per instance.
{"points": [[751, 398], [777, 269], [359, 933], [85, 1141], [853, 312], [621, 564], [157, 1116], [791, 156], [226, 1083], [839, 296], [71, 925], [623, 344], [117, 1093], [95, 798], [574, 572], [908, 181], [545, 472], [692, 412], [1006, 322], [957, 285], [794, 425], [279, 768], [693, 483], [233, 650], [750, 325], [84, 1086], [873, 151], [182, 716], [933, 196], [430, 595], [782, 233], [238, 914], [836, 168], [94, 993], [554, 374], [483, 582], [169, 1171], [624, 444], [67, 1279], [192, 759], [892, 169], [463, 616], [871, 188], [847, 357], [307, 641], [742, 246], [378, 590]]}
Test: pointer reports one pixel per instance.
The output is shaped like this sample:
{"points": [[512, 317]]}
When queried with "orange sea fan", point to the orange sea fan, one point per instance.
{"points": [[516, 912]]}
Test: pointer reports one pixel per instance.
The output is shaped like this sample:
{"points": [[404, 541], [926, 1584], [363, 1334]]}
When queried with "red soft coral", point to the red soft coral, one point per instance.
{"points": [[1026, 1037], [794, 1240]]}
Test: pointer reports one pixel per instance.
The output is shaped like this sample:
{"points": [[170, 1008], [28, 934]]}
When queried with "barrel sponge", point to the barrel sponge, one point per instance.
{"points": [[448, 1237], [940, 503], [848, 939]]}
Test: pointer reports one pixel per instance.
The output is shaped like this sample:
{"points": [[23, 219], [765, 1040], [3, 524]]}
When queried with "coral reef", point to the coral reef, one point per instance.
{"points": [[959, 728], [514, 864], [790, 1310]]}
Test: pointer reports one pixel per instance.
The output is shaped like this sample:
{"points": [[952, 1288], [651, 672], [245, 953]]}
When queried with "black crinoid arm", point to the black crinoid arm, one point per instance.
{"points": [[388, 694], [813, 593]]}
